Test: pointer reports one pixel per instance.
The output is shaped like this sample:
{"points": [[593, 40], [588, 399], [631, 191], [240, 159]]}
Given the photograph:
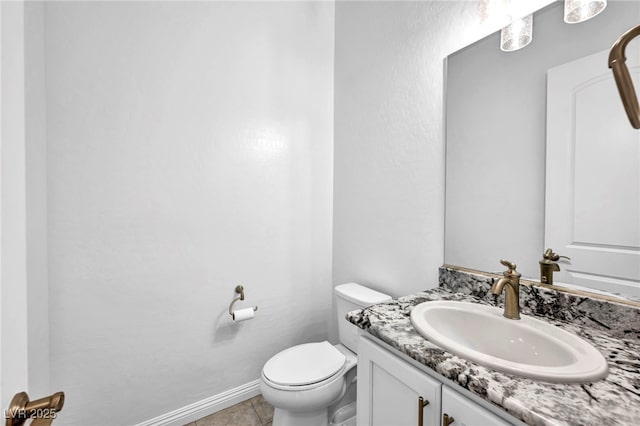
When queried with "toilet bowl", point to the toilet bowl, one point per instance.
{"points": [[303, 381], [308, 383]]}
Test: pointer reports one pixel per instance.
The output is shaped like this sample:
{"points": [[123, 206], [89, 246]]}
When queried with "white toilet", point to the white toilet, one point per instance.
{"points": [[309, 384]]}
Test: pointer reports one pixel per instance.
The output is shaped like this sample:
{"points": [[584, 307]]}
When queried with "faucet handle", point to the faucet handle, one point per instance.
{"points": [[512, 266], [550, 255]]}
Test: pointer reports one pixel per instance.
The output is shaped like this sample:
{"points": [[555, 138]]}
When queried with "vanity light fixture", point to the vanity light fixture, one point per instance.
{"points": [[576, 11], [517, 34]]}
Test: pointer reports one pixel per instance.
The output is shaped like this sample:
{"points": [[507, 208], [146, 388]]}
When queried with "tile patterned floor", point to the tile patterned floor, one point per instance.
{"points": [[252, 412]]}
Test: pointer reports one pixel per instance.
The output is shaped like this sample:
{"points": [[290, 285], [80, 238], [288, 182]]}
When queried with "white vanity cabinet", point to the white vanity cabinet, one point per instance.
{"points": [[390, 388]]}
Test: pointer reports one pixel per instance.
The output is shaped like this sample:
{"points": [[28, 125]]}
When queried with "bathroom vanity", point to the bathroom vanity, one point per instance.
{"points": [[397, 366], [394, 391]]}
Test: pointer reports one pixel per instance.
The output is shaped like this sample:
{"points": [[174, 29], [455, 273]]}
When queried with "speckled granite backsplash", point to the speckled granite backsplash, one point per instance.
{"points": [[617, 319]]}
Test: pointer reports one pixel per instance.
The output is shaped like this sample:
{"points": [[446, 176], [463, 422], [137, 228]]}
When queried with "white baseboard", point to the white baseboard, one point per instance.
{"points": [[197, 410]]}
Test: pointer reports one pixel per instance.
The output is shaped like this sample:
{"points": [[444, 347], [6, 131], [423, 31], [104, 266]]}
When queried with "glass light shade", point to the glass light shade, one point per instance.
{"points": [[517, 34], [580, 10]]}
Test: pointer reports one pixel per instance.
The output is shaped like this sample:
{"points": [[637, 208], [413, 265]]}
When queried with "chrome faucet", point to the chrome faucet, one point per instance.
{"points": [[548, 265], [511, 280]]}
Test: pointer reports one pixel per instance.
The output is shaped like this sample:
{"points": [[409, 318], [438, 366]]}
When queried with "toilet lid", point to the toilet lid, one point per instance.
{"points": [[304, 364]]}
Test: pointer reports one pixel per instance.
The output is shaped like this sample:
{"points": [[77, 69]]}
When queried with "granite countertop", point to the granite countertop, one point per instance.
{"points": [[614, 400]]}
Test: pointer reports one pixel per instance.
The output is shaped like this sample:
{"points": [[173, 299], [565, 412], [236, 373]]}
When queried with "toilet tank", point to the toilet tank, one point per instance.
{"points": [[349, 297]]}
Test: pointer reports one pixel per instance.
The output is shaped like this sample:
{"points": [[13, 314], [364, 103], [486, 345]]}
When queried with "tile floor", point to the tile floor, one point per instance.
{"points": [[252, 412]]}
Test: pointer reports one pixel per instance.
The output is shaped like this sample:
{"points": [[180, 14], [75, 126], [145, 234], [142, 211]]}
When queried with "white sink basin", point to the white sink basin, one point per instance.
{"points": [[527, 347]]}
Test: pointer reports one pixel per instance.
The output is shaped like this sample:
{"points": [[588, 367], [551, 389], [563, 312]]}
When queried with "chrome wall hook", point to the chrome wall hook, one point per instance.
{"points": [[240, 291]]}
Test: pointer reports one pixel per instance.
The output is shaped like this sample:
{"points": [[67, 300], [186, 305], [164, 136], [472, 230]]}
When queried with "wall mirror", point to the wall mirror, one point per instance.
{"points": [[496, 151]]}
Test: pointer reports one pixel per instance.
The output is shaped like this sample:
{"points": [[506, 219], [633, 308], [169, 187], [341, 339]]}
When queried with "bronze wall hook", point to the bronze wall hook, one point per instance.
{"points": [[623, 78]]}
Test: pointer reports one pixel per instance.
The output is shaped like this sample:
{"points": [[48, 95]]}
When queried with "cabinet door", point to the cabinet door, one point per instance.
{"points": [[464, 412], [389, 389]]}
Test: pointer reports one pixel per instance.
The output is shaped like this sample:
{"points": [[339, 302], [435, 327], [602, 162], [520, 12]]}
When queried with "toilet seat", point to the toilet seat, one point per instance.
{"points": [[304, 366]]}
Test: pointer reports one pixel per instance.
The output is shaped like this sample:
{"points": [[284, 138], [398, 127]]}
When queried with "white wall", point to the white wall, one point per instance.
{"points": [[24, 293], [389, 145], [36, 200], [14, 371], [189, 150]]}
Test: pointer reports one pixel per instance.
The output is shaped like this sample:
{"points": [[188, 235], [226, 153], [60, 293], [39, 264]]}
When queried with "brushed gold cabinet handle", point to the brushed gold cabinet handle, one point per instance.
{"points": [[421, 404], [446, 420]]}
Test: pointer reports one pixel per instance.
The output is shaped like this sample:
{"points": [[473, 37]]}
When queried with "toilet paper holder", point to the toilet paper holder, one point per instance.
{"points": [[240, 291]]}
